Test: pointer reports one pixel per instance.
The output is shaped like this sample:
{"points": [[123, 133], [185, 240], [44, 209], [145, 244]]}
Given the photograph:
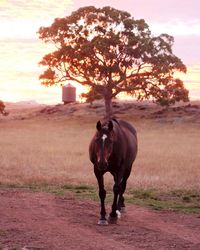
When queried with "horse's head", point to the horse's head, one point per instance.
{"points": [[103, 144]]}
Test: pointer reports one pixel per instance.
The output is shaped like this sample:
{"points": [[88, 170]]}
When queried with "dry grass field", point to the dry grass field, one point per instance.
{"points": [[53, 149]]}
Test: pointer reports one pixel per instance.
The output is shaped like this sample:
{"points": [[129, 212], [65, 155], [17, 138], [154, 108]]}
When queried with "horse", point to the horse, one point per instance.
{"points": [[113, 149]]}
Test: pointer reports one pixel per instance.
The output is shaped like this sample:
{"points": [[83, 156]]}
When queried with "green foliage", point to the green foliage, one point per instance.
{"points": [[176, 200], [111, 52], [173, 92], [92, 95]]}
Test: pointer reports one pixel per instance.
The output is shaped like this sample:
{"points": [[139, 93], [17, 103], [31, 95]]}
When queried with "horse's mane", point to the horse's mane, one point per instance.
{"points": [[115, 120]]}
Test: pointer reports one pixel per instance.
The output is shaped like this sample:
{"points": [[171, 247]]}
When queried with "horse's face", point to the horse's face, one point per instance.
{"points": [[103, 145]]}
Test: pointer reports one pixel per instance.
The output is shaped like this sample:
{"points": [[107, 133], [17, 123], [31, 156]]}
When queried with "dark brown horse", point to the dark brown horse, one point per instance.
{"points": [[113, 149]]}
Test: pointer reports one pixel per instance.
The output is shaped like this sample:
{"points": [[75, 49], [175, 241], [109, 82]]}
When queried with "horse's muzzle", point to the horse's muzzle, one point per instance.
{"points": [[102, 165]]}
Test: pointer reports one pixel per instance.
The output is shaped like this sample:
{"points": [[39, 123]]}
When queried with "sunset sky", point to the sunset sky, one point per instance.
{"points": [[21, 50]]}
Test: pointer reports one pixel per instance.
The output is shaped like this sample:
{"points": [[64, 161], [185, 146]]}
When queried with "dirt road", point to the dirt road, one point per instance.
{"points": [[31, 220]]}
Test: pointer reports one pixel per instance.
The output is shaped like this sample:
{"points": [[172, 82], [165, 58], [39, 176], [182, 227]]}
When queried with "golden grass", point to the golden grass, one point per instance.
{"points": [[168, 157], [44, 151]]}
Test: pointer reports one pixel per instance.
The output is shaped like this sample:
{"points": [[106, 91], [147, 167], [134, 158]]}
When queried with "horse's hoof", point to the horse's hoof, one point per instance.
{"points": [[102, 222], [112, 220], [118, 214], [123, 210]]}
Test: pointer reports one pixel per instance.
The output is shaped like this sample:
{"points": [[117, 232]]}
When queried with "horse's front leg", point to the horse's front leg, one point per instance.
{"points": [[102, 196], [113, 215], [117, 190], [121, 204]]}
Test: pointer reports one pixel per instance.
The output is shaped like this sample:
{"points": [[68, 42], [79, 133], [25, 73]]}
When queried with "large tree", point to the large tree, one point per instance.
{"points": [[110, 52]]}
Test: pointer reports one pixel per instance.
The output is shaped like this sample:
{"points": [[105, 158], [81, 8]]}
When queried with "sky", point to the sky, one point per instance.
{"points": [[21, 49]]}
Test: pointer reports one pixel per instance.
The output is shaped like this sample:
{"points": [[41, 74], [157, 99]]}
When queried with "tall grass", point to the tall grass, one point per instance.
{"points": [[168, 157], [56, 152]]}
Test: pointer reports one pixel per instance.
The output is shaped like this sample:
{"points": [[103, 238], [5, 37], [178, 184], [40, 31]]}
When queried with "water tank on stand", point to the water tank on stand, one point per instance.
{"points": [[68, 93]]}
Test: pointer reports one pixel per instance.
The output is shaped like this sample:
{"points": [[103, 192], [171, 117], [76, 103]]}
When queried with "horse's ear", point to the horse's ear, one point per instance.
{"points": [[110, 126], [98, 126]]}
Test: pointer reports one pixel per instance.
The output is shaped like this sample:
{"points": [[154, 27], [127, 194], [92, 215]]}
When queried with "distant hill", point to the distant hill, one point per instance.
{"points": [[183, 112], [31, 102]]}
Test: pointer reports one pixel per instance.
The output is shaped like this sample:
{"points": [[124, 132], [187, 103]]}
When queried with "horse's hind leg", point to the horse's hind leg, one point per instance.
{"points": [[121, 204]]}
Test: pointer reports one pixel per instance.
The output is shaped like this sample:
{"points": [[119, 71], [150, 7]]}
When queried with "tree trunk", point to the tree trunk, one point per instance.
{"points": [[108, 108], [107, 93]]}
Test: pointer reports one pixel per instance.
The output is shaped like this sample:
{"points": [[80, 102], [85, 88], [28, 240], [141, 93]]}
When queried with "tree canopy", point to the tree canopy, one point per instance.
{"points": [[110, 52]]}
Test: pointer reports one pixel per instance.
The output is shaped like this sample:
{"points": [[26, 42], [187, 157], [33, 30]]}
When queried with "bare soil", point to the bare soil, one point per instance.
{"points": [[38, 220]]}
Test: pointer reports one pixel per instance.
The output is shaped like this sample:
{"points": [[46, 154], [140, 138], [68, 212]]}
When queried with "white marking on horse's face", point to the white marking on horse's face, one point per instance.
{"points": [[104, 137]]}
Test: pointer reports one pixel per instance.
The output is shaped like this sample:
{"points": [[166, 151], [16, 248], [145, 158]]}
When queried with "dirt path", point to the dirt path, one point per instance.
{"points": [[43, 221]]}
